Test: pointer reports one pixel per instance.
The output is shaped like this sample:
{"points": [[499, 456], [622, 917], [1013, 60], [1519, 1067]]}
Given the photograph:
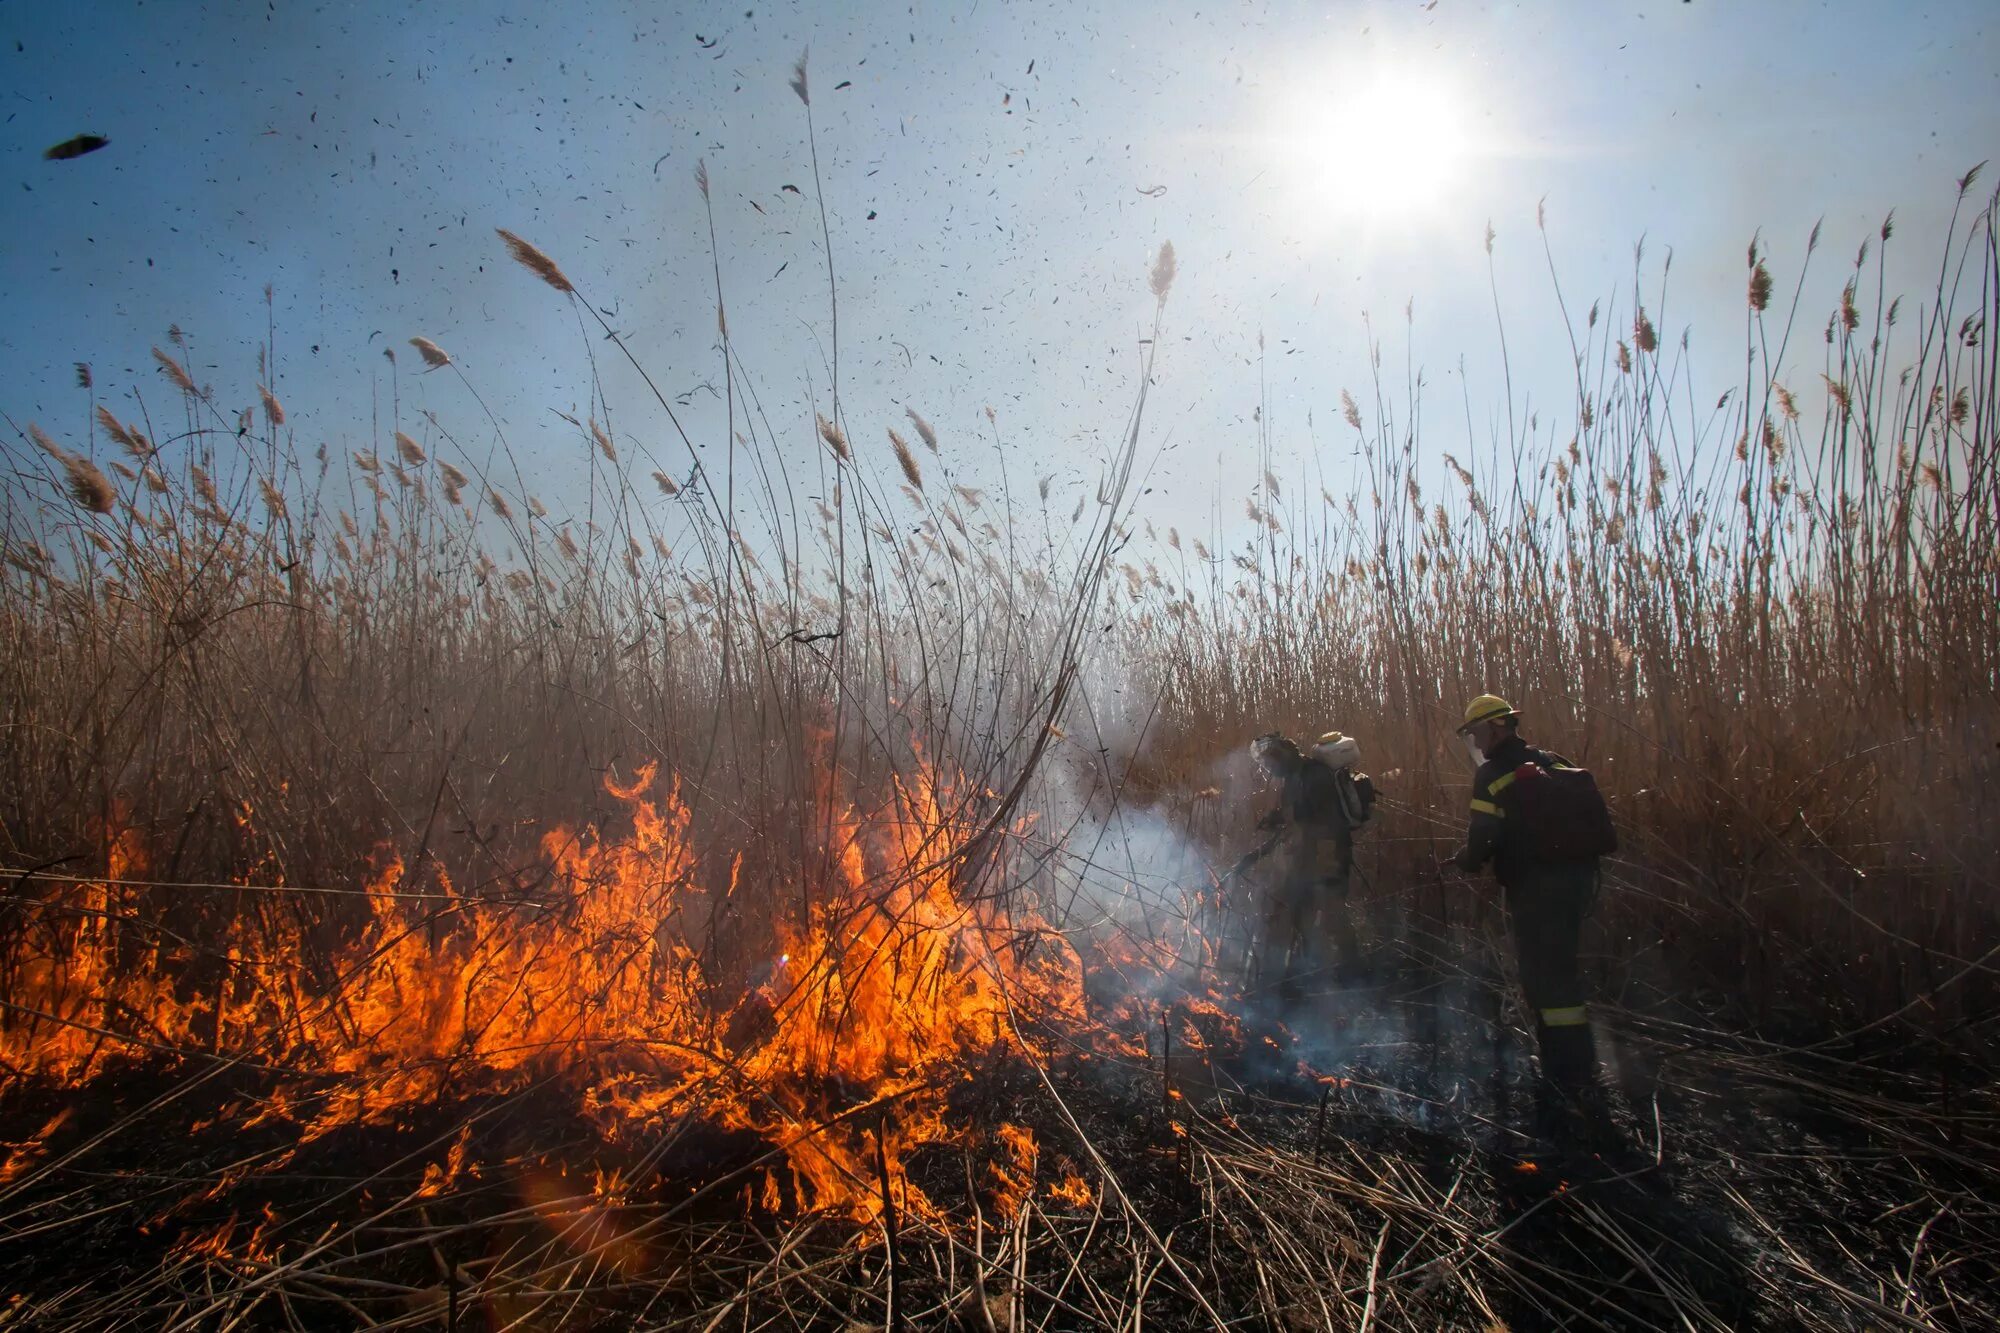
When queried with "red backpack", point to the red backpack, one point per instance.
{"points": [[1558, 814]]}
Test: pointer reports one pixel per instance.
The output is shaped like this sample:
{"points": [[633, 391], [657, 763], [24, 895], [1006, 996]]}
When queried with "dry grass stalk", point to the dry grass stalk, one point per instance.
{"points": [[835, 437], [89, 487], [434, 356], [411, 451], [126, 438], [603, 442], [667, 485], [906, 459], [1664, 639], [176, 372], [1643, 334], [274, 411], [45, 444], [536, 262], [1164, 268], [923, 429]]}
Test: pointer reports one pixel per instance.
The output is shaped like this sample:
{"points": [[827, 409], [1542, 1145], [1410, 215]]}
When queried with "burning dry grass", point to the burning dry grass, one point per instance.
{"points": [[621, 937], [603, 980]]}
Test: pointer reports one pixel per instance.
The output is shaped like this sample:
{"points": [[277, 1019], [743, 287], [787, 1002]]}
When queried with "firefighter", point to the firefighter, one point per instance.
{"points": [[1315, 819], [1546, 897]]}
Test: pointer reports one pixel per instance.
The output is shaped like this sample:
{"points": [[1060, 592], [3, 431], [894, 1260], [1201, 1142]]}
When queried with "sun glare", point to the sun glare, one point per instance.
{"points": [[1393, 146]]}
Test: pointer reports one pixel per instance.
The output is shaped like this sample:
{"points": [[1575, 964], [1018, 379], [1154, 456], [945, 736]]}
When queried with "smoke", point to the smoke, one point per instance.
{"points": [[1147, 892]]}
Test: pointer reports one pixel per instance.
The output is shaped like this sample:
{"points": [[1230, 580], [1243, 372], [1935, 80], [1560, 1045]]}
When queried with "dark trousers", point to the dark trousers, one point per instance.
{"points": [[1307, 910], [1548, 904]]}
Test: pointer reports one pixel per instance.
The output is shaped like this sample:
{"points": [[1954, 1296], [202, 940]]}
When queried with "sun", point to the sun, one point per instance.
{"points": [[1391, 145]]}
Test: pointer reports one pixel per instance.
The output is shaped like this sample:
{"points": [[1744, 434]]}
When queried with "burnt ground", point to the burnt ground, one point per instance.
{"points": [[1383, 1157]]}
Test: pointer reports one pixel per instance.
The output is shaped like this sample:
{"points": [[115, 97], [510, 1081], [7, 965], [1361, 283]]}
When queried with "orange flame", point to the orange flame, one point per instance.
{"points": [[838, 1053]]}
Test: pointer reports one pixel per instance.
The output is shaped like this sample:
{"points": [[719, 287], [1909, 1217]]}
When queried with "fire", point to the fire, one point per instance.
{"points": [[223, 1246], [81, 983], [1073, 1190], [25, 1153], [838, 1044], [441, 1177]]}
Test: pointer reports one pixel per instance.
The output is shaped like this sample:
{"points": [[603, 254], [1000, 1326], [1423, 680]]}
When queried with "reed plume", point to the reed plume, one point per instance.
{"points": [[88, 486], [1164, 268], [906, 459], [45, 444], [923, 429], [835, 437], [536, 262], [176, 372], [124, 436]]}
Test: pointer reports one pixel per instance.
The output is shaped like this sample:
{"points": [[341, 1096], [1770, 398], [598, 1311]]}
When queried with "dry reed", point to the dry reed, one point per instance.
{"points": [[906, 460], [1804, 874], [434, 356], [535, 262]]}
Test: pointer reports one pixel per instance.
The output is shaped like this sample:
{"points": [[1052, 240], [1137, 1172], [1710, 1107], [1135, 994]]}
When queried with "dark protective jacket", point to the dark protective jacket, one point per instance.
{"points": [[1319, 799], [1312, 816], [1486, 834], [1309, 797]]}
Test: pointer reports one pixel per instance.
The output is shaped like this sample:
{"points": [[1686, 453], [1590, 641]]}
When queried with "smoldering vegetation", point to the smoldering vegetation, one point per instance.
{"points": [[708, 904]]}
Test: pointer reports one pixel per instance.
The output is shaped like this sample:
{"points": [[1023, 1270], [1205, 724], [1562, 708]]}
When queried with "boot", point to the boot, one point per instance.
{"points": [[1569, 1056]]}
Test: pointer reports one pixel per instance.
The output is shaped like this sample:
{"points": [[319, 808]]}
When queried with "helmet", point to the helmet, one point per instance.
{"points": [[1486, 708], [1275, 750]]}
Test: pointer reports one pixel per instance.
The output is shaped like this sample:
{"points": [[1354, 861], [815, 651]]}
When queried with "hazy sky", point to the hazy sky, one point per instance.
{"points": [[996, 178]]}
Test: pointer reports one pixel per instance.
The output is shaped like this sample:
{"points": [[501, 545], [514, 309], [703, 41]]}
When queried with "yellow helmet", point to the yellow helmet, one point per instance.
{"points": [[1486, 708]]}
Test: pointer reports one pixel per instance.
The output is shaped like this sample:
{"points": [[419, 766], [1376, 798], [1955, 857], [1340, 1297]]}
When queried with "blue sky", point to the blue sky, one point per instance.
{"points": [[996, 179]]}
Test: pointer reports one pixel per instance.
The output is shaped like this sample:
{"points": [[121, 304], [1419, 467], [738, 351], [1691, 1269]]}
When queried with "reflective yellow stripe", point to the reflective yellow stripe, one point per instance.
{"points": [[1571, 1017], [1500, 784], [1488, 808]]}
